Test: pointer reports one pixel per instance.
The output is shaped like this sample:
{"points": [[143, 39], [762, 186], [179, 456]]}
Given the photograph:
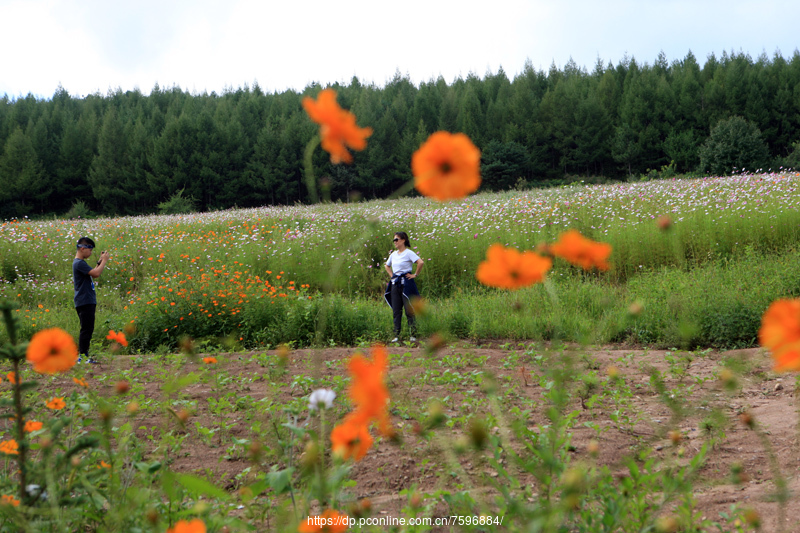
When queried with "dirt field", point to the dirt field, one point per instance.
{"points": [[388, 468]]}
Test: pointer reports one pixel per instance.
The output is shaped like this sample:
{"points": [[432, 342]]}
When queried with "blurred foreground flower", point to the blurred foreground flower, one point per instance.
{"points": [[780, 333], [56, 403], [184, 526], [32, 425], [210, 360], [351, 438], [9, 447], [581, 251], [507, 268], [447, 166], [7, 499], [117, 337], [321, 396], [330, 521], [368, 388], [337, 126], [52, 350]]}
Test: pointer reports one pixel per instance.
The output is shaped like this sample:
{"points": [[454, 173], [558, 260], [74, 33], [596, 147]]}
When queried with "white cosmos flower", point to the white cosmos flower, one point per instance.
{"points": [[321, 396]]}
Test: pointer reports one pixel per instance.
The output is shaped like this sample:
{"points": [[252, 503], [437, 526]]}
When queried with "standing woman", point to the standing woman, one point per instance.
{"points": [[402, 287]]}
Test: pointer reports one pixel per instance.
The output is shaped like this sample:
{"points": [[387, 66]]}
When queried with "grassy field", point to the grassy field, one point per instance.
{"points": [[312, 275]]}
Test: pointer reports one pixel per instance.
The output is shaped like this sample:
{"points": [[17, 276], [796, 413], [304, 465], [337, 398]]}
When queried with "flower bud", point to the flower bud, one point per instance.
{"points": [[666, 524], [636, 308], [478, 433], [311, 456], [132, 407], [747, 419], [152, 516], [106, 414], [593, 448], [752, 517], [415, 500], [255, 451], [675, 437], [664, 223], [183, 415], [122, 387]]}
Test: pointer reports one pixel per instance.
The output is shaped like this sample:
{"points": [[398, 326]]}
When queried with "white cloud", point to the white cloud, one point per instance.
{"points": [[90, 45]]}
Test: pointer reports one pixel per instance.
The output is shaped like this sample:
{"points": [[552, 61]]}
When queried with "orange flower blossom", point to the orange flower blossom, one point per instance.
{"points": [[9, 447], [32, 425], [447, 166], [118, 337], [210, 360], [351, 438], [337, 126], [12, 377], [7, 499], [368, 389], [56, 403], [330, 521], [581, 251], [507, 268], [184, 526], [52, 350], [780, 333]]}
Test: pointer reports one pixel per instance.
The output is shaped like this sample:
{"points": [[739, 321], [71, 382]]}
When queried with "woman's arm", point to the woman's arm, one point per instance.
{"points": [[388, 270], [419, 262]]}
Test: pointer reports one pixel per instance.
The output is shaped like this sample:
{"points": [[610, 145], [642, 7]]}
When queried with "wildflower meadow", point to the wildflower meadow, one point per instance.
{"points": [[590, 360]]}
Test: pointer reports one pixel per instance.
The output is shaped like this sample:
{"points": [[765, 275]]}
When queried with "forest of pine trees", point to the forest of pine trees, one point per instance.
{"points": [[125, 153]]}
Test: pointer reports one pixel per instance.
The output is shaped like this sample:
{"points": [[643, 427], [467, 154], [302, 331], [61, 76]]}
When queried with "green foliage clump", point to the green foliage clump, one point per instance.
{"points": [[734, 144], [178, 204]]}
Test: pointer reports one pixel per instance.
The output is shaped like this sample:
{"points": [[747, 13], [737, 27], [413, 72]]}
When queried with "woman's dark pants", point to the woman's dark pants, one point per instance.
{"points": [[398, 303], [86, 316]]}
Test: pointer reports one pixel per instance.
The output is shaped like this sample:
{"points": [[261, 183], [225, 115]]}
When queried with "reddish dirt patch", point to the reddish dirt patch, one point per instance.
{"points": [[389, 468]]}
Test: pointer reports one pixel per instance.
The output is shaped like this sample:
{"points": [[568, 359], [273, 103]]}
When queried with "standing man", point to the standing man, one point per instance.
{"points": [[85, 299]]}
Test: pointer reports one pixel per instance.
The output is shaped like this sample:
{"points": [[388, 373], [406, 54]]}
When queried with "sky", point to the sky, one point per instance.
{"points": [[90, 46]]}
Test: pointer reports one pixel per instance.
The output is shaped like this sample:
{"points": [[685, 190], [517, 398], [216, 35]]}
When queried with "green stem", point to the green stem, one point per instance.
{"points": [[21, 441], [311, 182]]}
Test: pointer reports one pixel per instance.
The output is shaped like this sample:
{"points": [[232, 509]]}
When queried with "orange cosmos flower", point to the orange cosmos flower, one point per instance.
{"points": [[32, 425], [447, 166], [581, 251], [507, 268], [12, 377], [82, 382], [52, 350], [7, 499], [56, 403], [118, 337], [351, 438], [780, 333], [210, 360], [329, 521], [337, 126], [9, 447], [183, 526], [368, 389]]}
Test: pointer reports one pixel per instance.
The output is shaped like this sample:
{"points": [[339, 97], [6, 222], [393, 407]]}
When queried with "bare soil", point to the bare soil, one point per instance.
{"points": [[390, 468]]}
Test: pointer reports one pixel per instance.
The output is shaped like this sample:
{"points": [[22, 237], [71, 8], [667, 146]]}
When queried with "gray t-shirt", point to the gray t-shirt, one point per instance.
{"points": [[84, 284]]}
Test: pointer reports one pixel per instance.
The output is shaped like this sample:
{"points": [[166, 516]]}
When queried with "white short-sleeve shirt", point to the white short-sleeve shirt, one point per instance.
{"points": [[402, 261]]}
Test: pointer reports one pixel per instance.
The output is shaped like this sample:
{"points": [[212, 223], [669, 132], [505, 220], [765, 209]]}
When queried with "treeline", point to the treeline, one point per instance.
{"points": [[126, 153]]}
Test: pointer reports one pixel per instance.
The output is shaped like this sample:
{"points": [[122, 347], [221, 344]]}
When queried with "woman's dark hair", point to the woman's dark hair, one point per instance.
{"points": [[403, 235]]}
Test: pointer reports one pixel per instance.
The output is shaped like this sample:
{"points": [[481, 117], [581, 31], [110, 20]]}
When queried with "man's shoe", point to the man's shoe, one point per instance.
{"points": [[93, 361], [396, 339], [412, 339]]}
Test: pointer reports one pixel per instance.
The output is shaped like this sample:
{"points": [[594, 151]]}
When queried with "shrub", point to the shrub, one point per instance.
{"points": [[79, 210], [178, 204], [734, 144]]}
